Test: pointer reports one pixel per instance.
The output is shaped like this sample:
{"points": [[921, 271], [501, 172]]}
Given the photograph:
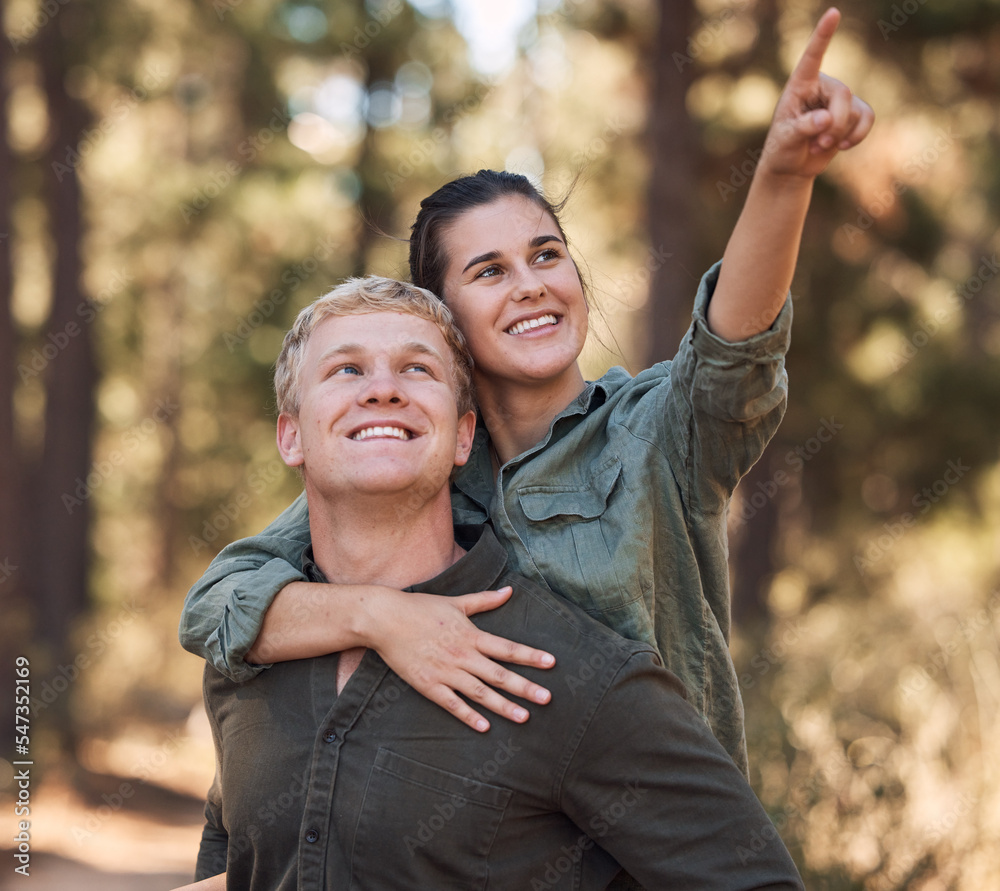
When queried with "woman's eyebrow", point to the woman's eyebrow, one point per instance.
{"points": [[537, 241], [482, 258]]}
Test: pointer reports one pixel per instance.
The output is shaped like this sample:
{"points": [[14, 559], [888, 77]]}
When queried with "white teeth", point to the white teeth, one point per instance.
{"points": [[528, 324], [395, 432]]}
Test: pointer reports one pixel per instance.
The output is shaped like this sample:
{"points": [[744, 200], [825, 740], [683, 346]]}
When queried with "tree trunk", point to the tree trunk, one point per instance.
{"points": [[673, 149], [66, 481]]}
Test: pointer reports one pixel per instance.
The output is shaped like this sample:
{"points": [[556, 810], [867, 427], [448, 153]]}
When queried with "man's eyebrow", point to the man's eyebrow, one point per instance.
{"points": [[415, 346], [339, 350], [537, 241], [351, 349]]}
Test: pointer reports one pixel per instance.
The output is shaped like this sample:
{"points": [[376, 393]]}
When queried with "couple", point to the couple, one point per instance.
{"points": [[612, 494]]}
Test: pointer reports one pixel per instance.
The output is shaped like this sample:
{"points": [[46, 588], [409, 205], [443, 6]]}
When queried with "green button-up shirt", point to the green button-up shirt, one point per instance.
{"points": [[621, 508], [378, 788]]}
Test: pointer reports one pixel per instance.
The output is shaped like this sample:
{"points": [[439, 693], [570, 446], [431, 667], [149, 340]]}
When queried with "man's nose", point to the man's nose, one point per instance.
{"points": [[382, 386]]}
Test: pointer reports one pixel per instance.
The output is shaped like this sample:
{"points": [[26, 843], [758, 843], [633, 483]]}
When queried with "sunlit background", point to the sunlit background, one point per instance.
{"points": [[180, 177]]}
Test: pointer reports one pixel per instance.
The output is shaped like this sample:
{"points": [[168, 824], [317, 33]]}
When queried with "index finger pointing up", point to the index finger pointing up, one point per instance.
{"points": [[808, 67]]}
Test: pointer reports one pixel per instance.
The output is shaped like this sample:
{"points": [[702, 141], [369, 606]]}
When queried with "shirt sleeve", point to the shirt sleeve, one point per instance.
{"points": [[214, 850], [651, 785], [224, 610], [725, 402]]}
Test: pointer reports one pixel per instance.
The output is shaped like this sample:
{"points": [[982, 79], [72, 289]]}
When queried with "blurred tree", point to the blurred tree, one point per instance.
{"points": [[59, 511], [672, 215]]}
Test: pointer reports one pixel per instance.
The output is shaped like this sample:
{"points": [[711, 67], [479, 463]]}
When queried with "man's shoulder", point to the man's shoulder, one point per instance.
{"points": [[541, 614]]}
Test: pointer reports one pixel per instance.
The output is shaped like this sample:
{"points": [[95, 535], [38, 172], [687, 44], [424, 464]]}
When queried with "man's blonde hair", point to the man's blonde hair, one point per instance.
{"points": [[359, 296]]}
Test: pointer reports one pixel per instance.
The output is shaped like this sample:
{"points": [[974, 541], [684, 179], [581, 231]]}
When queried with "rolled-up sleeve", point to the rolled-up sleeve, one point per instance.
{"points": [[224, 610], [726, 401]]}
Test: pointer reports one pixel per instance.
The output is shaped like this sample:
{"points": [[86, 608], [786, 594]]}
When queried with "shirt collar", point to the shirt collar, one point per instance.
{"points": [[479, 570], [475, 478]]}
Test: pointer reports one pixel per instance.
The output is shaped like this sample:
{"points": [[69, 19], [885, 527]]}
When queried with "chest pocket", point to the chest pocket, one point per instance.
{"points": [[582, 540], [422, 827]]}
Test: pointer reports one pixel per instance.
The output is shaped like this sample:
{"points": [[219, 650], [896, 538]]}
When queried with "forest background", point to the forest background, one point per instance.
{"points": [[179, 177]]}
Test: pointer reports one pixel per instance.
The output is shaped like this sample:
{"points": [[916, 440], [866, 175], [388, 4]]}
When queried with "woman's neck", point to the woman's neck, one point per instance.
{"points": [[518, 415]]}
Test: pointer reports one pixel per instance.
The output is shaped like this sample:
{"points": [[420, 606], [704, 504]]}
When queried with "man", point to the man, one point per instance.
{"points": [[332, 773]]}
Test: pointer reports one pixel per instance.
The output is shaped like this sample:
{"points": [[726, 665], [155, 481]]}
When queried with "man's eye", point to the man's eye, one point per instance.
{"points": [[345, 369]]}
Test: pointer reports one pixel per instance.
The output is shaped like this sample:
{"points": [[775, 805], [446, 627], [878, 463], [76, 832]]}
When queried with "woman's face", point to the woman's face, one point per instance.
{"points": [[515, 293]]}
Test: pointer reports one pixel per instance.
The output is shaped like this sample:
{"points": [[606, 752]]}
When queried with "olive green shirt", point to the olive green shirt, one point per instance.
{"points": [[621, 509]]}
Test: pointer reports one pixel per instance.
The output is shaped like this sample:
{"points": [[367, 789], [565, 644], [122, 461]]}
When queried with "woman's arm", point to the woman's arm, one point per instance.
{"points": [[816, 117], [251, 608], [224, 609], [428, 640]]}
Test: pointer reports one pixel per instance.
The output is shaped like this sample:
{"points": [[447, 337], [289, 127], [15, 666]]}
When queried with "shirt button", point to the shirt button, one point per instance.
{"points": [[329, 736], [312, 836]]}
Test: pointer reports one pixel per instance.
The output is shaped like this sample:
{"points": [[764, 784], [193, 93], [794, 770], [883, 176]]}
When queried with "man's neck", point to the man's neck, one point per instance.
{"points": [[382, 541]]}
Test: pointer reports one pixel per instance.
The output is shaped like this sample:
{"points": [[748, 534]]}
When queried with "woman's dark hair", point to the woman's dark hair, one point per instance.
{"points": [[440, 209]]}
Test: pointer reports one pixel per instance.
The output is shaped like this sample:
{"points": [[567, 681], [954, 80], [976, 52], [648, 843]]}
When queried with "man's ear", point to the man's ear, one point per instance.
{"points": [[289, 440], [466, 432]]}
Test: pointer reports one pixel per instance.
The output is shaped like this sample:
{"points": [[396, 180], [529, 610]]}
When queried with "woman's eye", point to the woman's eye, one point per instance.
{"points": [[488, 272], [423, 369], [549, 254]]}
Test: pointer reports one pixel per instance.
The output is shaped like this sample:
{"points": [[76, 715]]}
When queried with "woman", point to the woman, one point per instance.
{"points": [[612, 493]]}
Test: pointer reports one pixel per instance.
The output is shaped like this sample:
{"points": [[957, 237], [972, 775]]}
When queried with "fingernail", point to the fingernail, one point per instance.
{"points": [[542, 695], [482, 725], [548, 660], [520, 714]]}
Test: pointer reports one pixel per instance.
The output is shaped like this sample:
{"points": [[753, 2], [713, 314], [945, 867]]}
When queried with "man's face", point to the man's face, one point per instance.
{"points": [[377, 412]]}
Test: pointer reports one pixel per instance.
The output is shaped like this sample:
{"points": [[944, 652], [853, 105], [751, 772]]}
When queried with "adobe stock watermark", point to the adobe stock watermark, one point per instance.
{"points": [[939, 831], [427, 828], [884, 199], [600, 144], [381, 15], [740, 176], [228, 512], [46, 11], [901, 14], [121, 108], [938, 661], [426, 147], [95, 645], [640, 277], [782, 641], [929, 328], [600, 825], [922, 502], [131, 439], [708, 32], [796, 459], [86, 311], [7, 570], [248, 150], [140, 773], [269, 814], [263, 309], [587, 669]]}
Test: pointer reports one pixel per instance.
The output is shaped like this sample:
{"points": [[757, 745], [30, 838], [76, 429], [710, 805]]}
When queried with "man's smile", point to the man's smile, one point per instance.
{"points": [[382, 433]]}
